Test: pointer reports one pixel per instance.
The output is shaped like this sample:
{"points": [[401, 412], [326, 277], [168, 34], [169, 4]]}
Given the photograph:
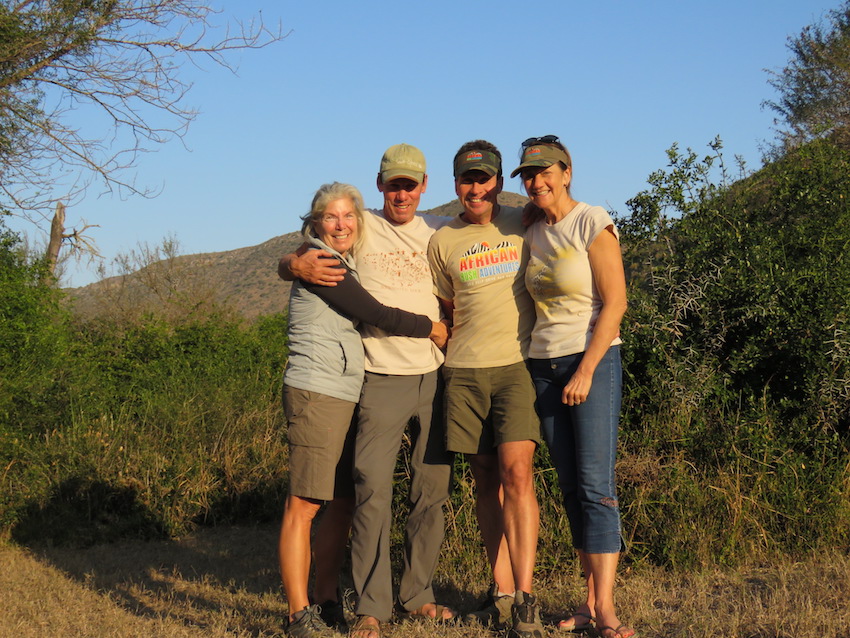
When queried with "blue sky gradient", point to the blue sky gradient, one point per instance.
{"points": [[618, 81]]}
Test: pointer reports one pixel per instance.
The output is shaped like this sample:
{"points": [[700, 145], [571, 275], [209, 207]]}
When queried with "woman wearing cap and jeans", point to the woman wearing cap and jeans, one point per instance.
{"points": [[575, 276], [321, 386]]}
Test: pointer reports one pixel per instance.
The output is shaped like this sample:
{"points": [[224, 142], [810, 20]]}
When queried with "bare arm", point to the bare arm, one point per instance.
{"points": [[447, 320], [448, 309], [606, 263], [313, 266]]}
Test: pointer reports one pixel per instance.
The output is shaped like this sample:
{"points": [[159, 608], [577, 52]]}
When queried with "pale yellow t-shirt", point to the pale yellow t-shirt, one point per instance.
{"points": [[480, 268]]}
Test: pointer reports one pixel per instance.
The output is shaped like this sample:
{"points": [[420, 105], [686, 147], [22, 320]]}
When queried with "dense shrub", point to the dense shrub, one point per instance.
{"points": [[33, 339], [138, 427], [738, 369]]}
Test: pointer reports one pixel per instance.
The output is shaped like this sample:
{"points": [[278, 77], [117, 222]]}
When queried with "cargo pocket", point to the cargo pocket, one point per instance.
{"points": [[304, 430]]}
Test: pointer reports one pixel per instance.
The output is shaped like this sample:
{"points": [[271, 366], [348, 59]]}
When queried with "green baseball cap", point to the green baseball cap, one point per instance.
{"points": [[541, 155], [477, 160], [403, 160]]}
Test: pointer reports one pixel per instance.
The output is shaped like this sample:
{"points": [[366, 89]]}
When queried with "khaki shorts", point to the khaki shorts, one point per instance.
{"points": [[486, 407], [321, 444]]}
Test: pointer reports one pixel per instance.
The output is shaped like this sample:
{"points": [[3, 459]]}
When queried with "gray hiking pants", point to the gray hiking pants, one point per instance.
{"points": [[389, 405]]}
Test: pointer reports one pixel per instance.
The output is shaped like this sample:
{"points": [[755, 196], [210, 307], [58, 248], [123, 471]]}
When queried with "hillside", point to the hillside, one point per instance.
{"points": [[244, 279]]}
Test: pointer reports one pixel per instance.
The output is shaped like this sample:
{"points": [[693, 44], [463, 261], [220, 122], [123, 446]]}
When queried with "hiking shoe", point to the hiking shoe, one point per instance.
{"points": [[494, 612], [525, 617], [333, 615], [308, 624]]}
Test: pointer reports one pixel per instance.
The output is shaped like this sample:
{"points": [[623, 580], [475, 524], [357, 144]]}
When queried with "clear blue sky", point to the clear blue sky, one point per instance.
{"points": [[618, 81]]}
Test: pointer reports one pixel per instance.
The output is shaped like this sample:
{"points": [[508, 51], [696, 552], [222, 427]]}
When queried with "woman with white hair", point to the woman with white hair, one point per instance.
{"points": [[321, 386]]}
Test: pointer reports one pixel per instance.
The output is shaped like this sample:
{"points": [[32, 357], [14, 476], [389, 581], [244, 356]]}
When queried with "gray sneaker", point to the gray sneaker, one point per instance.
{"points": [[494, 612], [332, 614], [308, 624], [525, 617]]}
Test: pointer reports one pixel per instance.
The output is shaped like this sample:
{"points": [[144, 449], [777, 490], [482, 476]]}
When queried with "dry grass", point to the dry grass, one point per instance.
{"points": [[224, 582]]}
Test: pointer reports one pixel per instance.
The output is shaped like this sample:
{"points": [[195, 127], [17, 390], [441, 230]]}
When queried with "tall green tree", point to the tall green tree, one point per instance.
{"points": [[814, 87], [120, 58]]}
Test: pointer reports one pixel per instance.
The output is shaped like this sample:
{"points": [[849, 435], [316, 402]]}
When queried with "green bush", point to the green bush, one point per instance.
{"points": [[738, 374], [142, 427], [33, 339]]}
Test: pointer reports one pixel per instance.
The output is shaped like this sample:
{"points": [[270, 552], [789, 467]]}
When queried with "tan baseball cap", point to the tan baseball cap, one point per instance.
{"points": [[403, 160]]}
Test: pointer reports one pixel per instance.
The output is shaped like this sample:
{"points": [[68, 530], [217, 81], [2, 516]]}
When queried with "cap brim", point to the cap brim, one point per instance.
{"points": [[390, 175], [541, 163], [484, 168]]}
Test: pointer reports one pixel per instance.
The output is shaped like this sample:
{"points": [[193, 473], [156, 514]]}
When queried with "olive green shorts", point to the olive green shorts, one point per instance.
{"points": [[321, 444], [486, 407]]}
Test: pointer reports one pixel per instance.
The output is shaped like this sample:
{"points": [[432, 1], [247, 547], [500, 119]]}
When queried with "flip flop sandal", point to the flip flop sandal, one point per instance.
{"points": [[562, 626], [617, 633]]}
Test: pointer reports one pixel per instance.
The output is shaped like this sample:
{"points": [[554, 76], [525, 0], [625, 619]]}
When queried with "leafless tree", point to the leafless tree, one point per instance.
{"points": [[120, 59]]}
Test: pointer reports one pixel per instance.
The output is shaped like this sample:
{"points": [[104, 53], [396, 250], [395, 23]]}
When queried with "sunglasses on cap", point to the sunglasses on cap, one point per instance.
{"points": [[546, 139]]}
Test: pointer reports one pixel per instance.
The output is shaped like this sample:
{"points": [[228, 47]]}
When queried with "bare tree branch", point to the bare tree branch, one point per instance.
{"points": [[122, 58]]}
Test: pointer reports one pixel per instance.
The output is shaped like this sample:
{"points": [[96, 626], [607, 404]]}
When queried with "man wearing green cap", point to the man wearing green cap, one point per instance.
{"points": [[478, 262], [401, 383]]}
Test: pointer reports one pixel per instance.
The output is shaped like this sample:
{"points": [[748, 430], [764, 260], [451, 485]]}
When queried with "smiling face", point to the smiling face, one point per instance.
{"points": [[401, 198], [547, 187], [477, 192], [337, 225]]}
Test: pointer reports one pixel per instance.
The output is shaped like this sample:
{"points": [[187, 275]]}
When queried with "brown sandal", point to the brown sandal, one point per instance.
{"points": [[363, 627]]}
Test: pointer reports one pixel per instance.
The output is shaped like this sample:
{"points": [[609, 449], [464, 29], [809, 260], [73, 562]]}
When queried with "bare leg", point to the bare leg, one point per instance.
{"points": [[488, 508], [294, 550], [520, 510], [601, 571], [329, 548]]}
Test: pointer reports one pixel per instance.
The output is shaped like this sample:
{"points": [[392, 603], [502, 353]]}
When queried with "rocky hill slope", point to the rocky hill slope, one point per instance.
{"points": [[244, 279]]}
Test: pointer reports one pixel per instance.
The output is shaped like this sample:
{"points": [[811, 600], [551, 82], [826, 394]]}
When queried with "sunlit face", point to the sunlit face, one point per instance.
{"points": [[477, 192], [337, 226], [546, 186], [401, 198]]}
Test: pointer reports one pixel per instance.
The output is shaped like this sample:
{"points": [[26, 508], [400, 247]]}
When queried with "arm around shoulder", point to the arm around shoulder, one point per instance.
{"points": [[312, 266]]}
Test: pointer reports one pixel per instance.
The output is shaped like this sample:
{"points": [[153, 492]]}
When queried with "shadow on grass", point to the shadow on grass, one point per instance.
{"points": [[104, 537], [221, 577], [83, 512]]}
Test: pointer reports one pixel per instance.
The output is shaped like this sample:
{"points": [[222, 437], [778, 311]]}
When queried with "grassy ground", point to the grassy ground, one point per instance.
{"points": [[224, 582]]}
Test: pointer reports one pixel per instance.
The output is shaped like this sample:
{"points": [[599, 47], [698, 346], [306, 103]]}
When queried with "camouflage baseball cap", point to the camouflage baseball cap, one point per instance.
{"points": [[541, 155], [477, 160], [402, 160]]}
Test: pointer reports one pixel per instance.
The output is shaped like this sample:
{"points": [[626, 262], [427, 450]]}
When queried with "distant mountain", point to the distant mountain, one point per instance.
{"points": [[244, 279], [454, 208]]}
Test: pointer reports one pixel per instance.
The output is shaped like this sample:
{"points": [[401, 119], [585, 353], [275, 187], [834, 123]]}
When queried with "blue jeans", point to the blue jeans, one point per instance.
{"points": [[582, 442]]}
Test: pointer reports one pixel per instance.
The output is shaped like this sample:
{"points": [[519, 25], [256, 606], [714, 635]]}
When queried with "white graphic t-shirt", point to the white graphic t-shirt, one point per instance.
{"points": [[392, 262]]}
